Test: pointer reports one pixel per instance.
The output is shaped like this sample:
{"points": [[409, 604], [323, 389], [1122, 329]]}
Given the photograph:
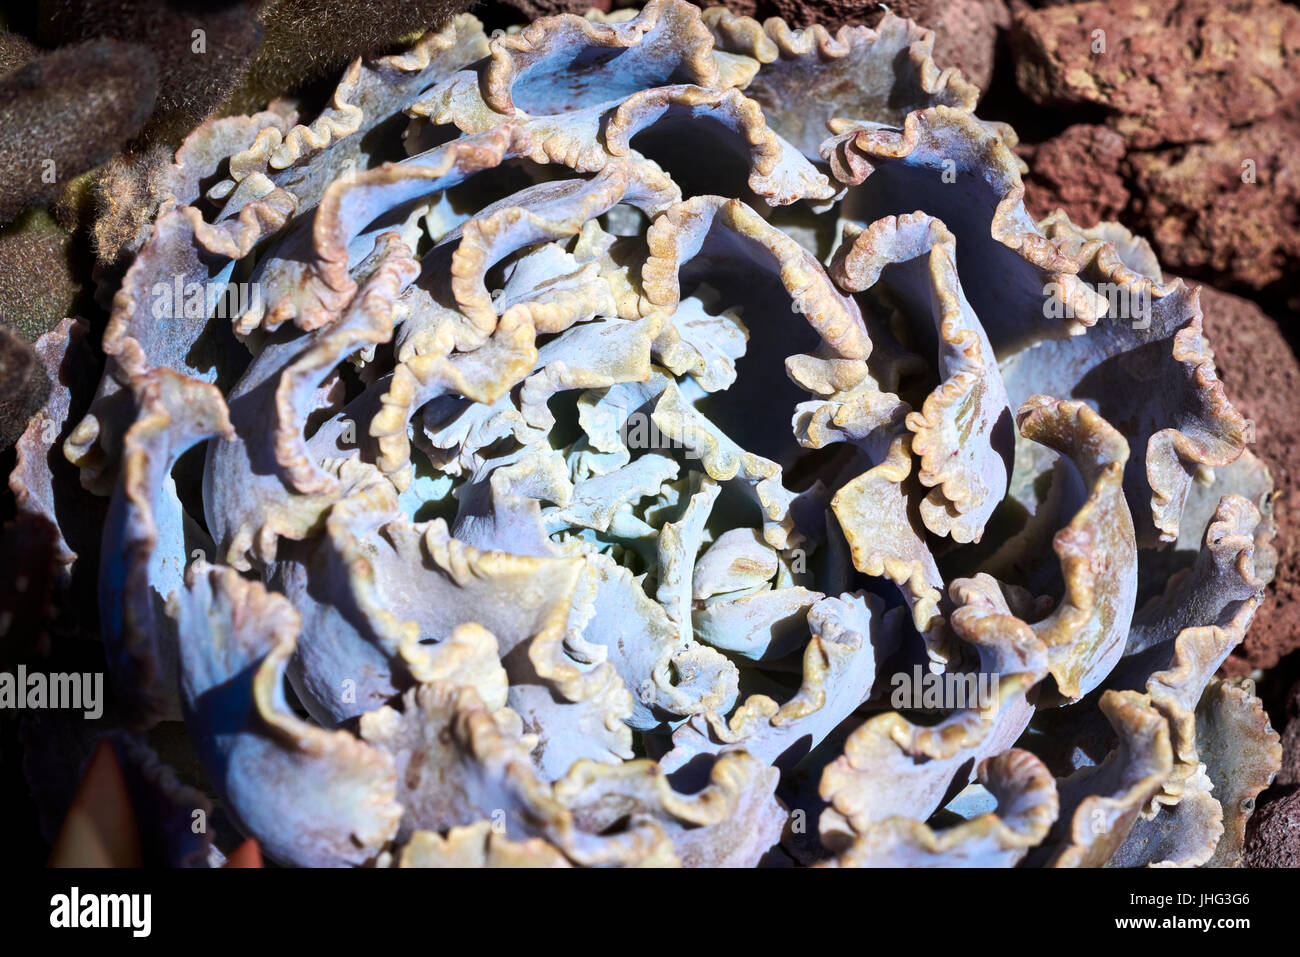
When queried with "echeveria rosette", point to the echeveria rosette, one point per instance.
{"points": [[625, 402]]}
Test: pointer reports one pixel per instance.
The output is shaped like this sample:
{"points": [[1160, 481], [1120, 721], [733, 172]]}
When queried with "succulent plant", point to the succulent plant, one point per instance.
{"points": [[600, 424]]}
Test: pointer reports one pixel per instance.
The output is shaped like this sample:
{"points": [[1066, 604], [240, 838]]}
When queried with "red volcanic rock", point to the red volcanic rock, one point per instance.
{"points": [[23, 386], [1263, 377], [1273, 835], [965, 30], [1171, 71], [965, 34], [1202, 217], [1078, 171], [1289, 774]]}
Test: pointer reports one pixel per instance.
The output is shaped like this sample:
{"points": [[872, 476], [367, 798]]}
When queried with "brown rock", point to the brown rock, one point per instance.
{"points": [[126, 197], [41, 274], [1078, 171], [66, 112], [1266, 840], [24, 386], [1288, 776], [1202, 217], [1273, 834], [1172, 71], [1262, 377], [15, 50], [306, 40], [965, 30], [966, 33], [28, 572]]}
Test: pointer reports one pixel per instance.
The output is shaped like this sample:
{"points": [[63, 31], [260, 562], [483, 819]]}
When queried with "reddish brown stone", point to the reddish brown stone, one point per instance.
{"points": [[1273, 834], [1172, 71], [1078, 171], [15, 50], [1202, 217], [1262, 377], [23, 386], [1289, 774], [1267, 844], [965, 30]]}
